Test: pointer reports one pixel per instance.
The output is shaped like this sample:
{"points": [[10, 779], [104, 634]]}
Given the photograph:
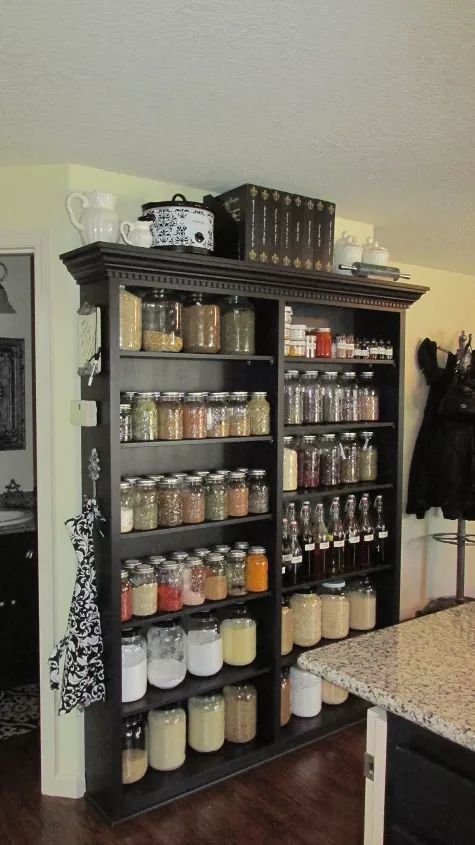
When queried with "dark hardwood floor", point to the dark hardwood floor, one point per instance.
{"points": [[310, 797]]}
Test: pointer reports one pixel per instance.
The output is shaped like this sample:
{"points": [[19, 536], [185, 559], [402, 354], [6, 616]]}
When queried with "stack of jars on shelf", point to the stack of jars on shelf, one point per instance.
{"points": [[160, 501], [188, 579], [302, 341], [329, 460], [329, 397], [145, 417], [162, 321]]}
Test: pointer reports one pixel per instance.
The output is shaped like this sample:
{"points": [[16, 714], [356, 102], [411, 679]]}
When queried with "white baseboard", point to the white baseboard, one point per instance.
{"points": [[64, 786]]}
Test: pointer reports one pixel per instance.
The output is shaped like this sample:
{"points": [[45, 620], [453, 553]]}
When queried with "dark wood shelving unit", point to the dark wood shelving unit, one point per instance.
{"points": [[205, 441], [347, 304], [146, 621], [315, 582], [328, 428]]}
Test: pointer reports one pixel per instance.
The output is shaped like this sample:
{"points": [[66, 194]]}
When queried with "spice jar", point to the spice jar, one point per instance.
{"points": [[312, 398], [332, 694], [166, 655], [259, 414], [332, 398], [257, 569], [204, 647], [125, 596], [238, 494], [258, 491], [239, 422], [194, 416], [170, 586], [126, 507], [201, 325], [308, 463], [362, 598], [324, 343], [166, 739], [125, 422], [193, 500], [145, 505], [217, 422], [206, 722], [240, 713], [307, 610], [350, 400], [169, 503], [144, 590], [236, 572], [134, 666], [170, 416], [368, 398], [329, 460], [216, 584], [161, 322], [335, 610], [238, 630], [349, 468], [285, 708], [144, 417], [134, 749], [293, 398], [237, 326], [286, 628], [216, 495], [367, 458], [194, 575], [306, 692], [130, 319], [290, 473]]}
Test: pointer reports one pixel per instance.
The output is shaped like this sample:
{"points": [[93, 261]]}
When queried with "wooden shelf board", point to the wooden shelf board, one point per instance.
{"points": [[195, 356], [208, 441], [327, 428], [179, 529], [324, 492], [146, 621], [373, 570]]}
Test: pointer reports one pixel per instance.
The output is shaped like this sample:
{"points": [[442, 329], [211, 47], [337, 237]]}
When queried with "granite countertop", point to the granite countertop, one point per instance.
{"points": [[422, 670]]}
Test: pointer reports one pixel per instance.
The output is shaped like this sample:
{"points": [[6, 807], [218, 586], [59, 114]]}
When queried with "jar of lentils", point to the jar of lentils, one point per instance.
{"points": [[194, 575], [125, 422], [216, 582], [350, 405], [145, 505], [201, 325], [349, 468], [259, 414], [239, 423], [193, 500], [312, 408], [368, 398], [194, 416], [308, 463], [237, 326], [329, 460], [367, 457], [332, 399], [258, 491], [293, 398], [126, 507], [236, 572], [170, 416], [169, 503], [216, 498], [144, 417], [238, 494], [217, 422]]}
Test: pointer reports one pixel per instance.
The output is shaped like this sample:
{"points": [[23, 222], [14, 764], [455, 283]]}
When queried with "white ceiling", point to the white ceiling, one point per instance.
{"points": [[369, 103]]}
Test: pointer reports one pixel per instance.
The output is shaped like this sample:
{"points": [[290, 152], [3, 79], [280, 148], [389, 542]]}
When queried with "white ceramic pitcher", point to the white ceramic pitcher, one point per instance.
{"points": [[136, 234], [99, 220]]}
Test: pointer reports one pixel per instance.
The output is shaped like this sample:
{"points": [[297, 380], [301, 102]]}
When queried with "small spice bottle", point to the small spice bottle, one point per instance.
{"points": [[258, 491], [170, 416], [170, 586], [216, 584], [240, 713], [125, 596], [236, 572], [194, 416], [125, 422], [238, 494], [238, 415], [194, 577], [193, 500], [126, 507], [169, 503], [257, 568], [145, 505], [216, 508], [144, 591], [259, 414]]}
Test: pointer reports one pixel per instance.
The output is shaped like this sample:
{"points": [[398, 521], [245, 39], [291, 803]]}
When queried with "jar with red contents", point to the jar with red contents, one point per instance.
{"points": [[125, 597], [308, 463], [324, 343], [170, 586]]}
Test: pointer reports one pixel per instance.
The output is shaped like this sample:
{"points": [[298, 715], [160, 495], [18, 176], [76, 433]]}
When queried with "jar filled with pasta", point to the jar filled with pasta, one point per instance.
{"points": [[239, 422], [259, 414], [240, 713], [238, 630], [201, 325], [307, 615], [170, 416], [335, 610]]}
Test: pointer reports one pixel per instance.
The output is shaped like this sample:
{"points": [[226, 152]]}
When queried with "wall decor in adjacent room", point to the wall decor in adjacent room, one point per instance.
{"points": [[12, 393]]}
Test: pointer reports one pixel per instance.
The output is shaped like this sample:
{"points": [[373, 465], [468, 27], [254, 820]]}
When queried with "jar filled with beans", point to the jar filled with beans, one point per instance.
{"points": [[368, 398], [125, 422], [236, 572], [350, 403], [170, 416], [144, 417], [169, 503], [238, 494], [145, 505], [237, 326], [312, 399], [258, 491], [216, 583], [201, 325], [216, 495], [367, 457], [239, 423], [308, 463], [329, 460], [193, 500], [217, 422], [335, 610], [293, 398], [349, 468], [194, 576], [194, 416], [130, 318], [259, 414]]}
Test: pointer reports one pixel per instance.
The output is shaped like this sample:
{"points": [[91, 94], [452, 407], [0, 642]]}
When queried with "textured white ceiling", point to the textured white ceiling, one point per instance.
{"points": [[369, 103]]}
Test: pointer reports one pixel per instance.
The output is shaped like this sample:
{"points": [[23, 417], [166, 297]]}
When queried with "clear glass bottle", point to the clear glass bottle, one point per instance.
{"points": [[237, 326], [161, 322], [368, 398], [134, 749], [306, 693], [170, 512], [285, 709], [367, 457], [238, 630], [286, 628], [194, 416], [126, 507], [144, 590], [352, 535], [350, 394], [217, 417], [134, 666], [130, 320], [216, 582], [349, 465], [257, 570], [240, 713], [259, 414], [335, 610], [193, 500], [366, 534], [204, 647], [312, 398], [201, 324], [216, 492], [238, 494], [380, 534], [308, 463], [144, 417], [194, 576], [258, 491], [362, 599], [293, 398], [307, 610], [170, 416], [236, 572], [125, 422], [206, 722], [332, 398], [290, 471], [239, 422], [170, 586], [336, 536], [166, 739], [321, 552], [306, 540], [145, 505], [330, 460], [166, 655]]}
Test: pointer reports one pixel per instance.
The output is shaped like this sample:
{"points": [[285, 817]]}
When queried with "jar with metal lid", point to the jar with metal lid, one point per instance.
{"points": [[125, 596], [201, 552], [202, 473], [237, 326], [170, 586], [145, 505], [312, 398], [204, 647], [239, 421], [125, 422], [324, 343], [216, 583], [193, 500], [259, 414], [194, 575], [155, 478], [179, 556], [144, 417], [285, 708], [308, 463], [216, 493], [144, 590], [161, 322], [222, 549], [293, 398], [134, 749], [166, 739], [206, 722], [240, 713], [307, 609], [258, 491], [242, 545], [362, 598], [169, 503], [367, 457], [126, 507], [257, 570], [368, 398], [130, 320], [170, 416], [335, 610], [181, 477], [131, 563], [194, 416], [332, 398], [238, 630], [329, 460], [349, 469], [236, 572], [238, 494], [286, 628], [350, 403], [290, 472], [333, 694], [306, 693], [201, 324], [134, 666], [166, 655], [217, 419]]}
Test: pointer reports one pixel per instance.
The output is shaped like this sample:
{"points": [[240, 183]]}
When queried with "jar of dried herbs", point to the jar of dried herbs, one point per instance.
{"points": [[145, 505], [193, 500], [239, 420], [144, 417], [201, 325], [217, 421], [216, 498], [259, 414], [170, 416], [169, 503], [237, 326]]}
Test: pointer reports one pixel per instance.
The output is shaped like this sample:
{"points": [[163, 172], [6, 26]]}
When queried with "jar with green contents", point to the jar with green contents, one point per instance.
{"points": [[239, 421], [259, 414], [145, 505], [201, 325], [170, 416], [170, 513], [161, 322], [144, 417], [216, 498], [236, 572], [237, 326]]}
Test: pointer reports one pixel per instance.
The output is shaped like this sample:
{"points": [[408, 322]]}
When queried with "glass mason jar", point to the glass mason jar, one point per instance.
{"points": [[201, 325], [238, 630], [332, 398], [329, 460], [194, 416], [134, 749], [286, 628], [350, 403], [242, 545], [237, 326], [332, 694], [193, 500], [166, 655], [308, 463], [324, 343], [130, 311], [306, 693], [179, 557], [312, 398], [125, 422], [144, 590], [206, 722], [240, 713], [239, 422], [258, 491], [259, 414], [293, 398], [170, 586], [134, 666], [125, 596], [194, 575], [161, 322], [368, 398], [257, 570], [169, 503], [170, 416], [367, 457], [285, 709], [204, 646], [216, 582], [290, 473], [166, 739], [126, 507], [216, 492], [238, 494], [217, 419], [145, 505], [144, 417], [335, 610], [307, 609], [349, 468], [236, 572], [362, 598]]}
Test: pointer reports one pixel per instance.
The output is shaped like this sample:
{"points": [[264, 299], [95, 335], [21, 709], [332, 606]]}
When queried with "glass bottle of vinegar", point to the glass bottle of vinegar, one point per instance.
{"points": [[336, 536], [321, 552]]}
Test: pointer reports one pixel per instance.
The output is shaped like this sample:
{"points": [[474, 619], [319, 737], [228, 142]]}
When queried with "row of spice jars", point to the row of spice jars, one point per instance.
{"points": [[160, 322], [301, 341], [191, 579], [329, 397], [160, 739], [152, 416], [169, 501], [329, 460]]}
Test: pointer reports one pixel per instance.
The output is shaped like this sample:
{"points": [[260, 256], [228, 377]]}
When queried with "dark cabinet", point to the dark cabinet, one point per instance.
{"points": [[19, 638]]}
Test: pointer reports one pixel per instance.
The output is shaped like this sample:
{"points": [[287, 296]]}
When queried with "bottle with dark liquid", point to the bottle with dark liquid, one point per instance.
{"points": [[366, 534], [336, 536], [290, 512], [380, 534], [352, 535], [307, 542], [321, 552], [293, 569]]}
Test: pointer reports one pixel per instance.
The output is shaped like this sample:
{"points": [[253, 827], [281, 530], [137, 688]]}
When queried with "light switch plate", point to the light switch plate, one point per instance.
{"points": [[83, 412]]}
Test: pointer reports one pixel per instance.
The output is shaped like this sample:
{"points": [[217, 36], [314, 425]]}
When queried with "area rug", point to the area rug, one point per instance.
{"points": [[19, 710]]}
